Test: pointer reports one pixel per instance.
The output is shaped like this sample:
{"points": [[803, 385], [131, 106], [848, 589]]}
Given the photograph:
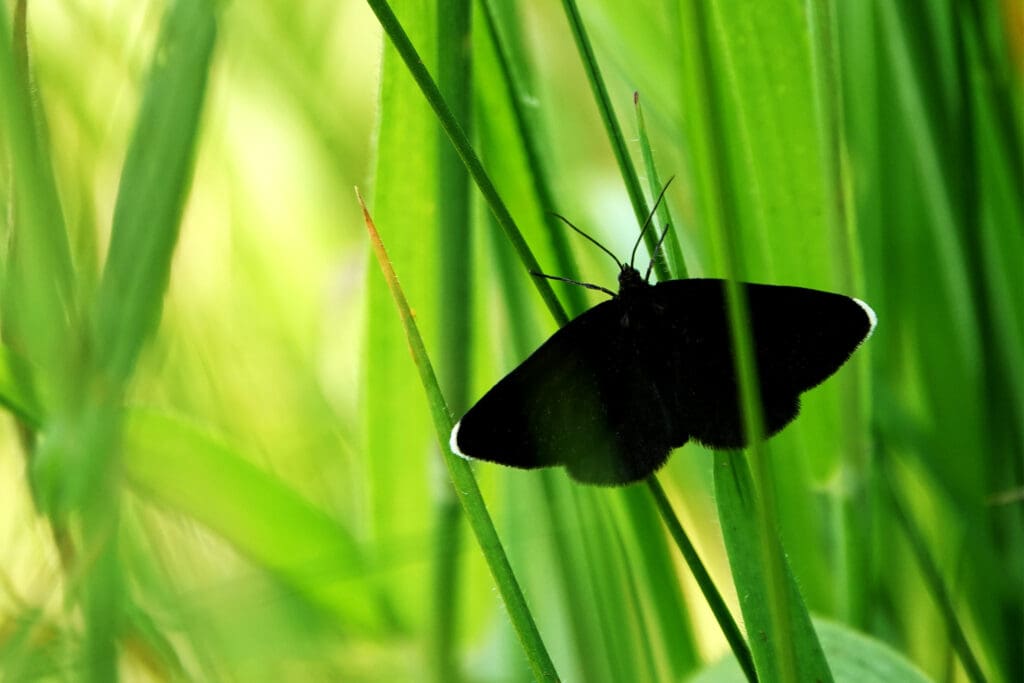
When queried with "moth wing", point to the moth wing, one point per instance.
{"points": [[582, 400], [800, 338]]}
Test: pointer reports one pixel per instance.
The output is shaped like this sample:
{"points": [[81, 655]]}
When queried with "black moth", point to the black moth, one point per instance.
{"points": [[610, 395]]}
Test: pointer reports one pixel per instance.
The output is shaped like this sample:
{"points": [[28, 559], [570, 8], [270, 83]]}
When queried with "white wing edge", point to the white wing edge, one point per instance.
{"points": [[453, 442], [867, 309]]}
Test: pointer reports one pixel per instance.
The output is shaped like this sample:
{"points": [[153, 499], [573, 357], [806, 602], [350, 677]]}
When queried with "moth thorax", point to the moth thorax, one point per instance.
{"points": [[630, 279]]}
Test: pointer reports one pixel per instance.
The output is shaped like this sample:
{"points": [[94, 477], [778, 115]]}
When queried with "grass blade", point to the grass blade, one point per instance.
{"points": [[465, 483], [789, 647], [154, 184], [677, 264], [532, 146], [73, 468], [454, 42], [460, 141], [855, 658], [614, 131], [933, 182], [707, 586], [730, 629], [933, 577], [740, 516], [653, 555], [38, 296]]}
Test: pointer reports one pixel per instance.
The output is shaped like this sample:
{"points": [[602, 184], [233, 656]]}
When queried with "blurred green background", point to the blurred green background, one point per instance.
{"points": [[217, 460]]}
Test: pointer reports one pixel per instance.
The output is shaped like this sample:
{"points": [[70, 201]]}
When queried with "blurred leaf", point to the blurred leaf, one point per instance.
{"points": [[454, 272], [191, 472], [651, 557], [38, 296], [398, 464], [854, 657], [155, 180], [16, 389], [34, 647], [895, 178], [726, 622]]}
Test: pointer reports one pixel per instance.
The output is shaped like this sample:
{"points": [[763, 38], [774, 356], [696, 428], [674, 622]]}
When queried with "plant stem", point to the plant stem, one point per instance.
{"points": [[700, 573]]}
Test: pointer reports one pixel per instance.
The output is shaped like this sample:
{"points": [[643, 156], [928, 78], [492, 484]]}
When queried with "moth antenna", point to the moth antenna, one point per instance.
{"points": [[588, 285], [657, 248], [647, 222], [599, 245]]}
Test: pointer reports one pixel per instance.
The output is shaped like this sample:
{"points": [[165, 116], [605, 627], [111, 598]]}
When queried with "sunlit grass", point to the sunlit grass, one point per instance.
{"points": [[219, 463]]}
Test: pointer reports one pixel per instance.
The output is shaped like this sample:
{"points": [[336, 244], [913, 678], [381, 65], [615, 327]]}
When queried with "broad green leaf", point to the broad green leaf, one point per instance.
{"points": [[855, 658]]}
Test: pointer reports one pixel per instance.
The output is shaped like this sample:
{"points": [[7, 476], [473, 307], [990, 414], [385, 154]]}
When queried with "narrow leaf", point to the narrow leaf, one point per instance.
{"points": [[154, 184], [739, 515], [464, 481]]}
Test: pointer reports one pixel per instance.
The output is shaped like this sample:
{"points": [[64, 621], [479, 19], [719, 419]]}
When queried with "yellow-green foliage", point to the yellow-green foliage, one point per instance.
{"points": [[217, 461]]}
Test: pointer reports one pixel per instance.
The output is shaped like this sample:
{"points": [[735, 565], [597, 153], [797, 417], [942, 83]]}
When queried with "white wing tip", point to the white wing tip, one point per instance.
{"points": [[453, 442], [871, 317]]}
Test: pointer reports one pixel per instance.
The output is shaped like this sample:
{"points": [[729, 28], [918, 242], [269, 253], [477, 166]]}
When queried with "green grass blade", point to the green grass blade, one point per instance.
{"points": [[707, 586], [571, 586], [855, 658], [154, 184], [740, 516], [389, 22], [613, 129], [929, 146], [1001, 239], [933, 577], [529, 135], [465, 483], [591, 657], [404, 472], [934, 183], [782, 663], [601, 567], [712, 596], [745, 139], [671, 246], [642, 644], [628, 171], [672, 630], [454, 42], [453, 200], [38, 297], [155, 181], [837, 201]]}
